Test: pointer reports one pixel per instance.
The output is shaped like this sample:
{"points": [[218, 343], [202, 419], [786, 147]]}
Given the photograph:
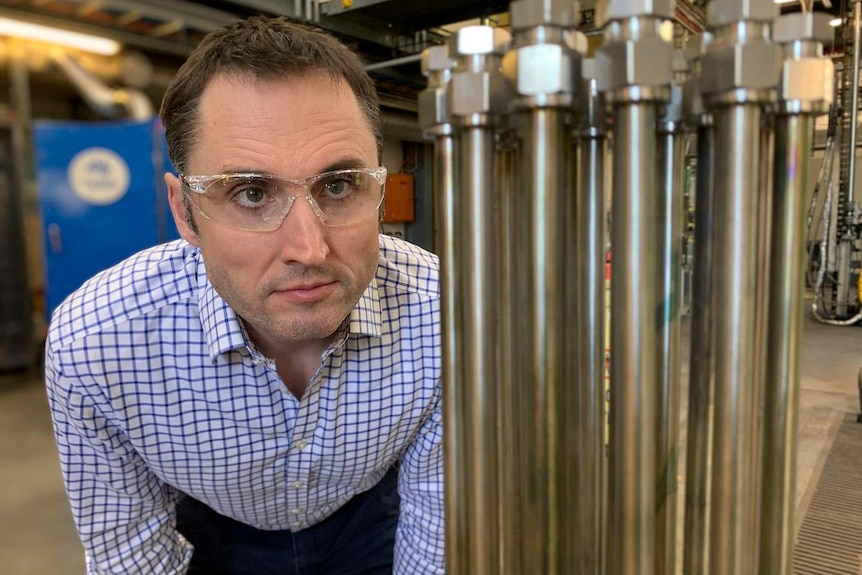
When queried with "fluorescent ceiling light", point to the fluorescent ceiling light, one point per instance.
{"points": [[835, 22], [786, 1], [29, 31]]}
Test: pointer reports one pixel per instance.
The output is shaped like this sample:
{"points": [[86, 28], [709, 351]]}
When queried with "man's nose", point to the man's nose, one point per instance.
{"points": [[303, 234]]}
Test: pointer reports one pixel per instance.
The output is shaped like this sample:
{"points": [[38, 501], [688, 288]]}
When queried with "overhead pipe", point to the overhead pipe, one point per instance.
{"points": [[107, 101]]}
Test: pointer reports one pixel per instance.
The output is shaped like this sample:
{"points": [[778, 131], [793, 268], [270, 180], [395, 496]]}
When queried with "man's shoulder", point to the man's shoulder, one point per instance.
{"points": [[407, 267], [147, 281]]}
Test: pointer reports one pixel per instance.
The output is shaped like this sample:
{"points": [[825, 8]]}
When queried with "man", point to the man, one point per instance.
{"points": [[262, 396]]}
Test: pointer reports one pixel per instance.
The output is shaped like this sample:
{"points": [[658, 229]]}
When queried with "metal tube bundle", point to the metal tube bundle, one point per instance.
{"points": [[804, 92], [739, 76], [634, 73], [519, 132]]}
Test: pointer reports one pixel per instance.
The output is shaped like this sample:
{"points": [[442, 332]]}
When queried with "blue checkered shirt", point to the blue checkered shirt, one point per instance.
{"points": [[155, 389]]}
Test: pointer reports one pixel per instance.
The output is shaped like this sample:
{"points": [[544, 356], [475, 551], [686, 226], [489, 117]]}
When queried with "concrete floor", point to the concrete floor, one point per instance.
{"points": [[37, 535]]}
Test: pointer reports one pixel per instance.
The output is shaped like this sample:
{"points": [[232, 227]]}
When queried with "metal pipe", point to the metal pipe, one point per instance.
{"points": [[543, 171], [589, 329], [478, 293], [802, 36], [737, 158], [671, 163], [436, 122], [635, 97], [475, 108], [511, 452], [854, 101], [695, 528], [632, 513], [845, 212], [701, 361], [793, 142], [452, 360]]}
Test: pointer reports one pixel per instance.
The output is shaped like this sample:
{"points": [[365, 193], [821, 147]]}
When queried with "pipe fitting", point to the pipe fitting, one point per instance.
{"points": [[740, 65], [477, 88], [432, 102], [634, 58], [723, 12], [609, 10], [806, 76], [531, 13]]}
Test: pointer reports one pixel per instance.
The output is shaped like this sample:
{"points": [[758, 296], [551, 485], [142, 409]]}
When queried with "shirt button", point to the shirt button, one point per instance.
{"points": [[301, 444], [296, 511], [297, 484]]}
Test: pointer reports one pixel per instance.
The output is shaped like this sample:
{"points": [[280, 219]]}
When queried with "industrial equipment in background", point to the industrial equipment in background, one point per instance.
{"points": [[835, 221]]}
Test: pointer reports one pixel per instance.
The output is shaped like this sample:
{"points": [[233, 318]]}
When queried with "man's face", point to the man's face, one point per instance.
{"points": [[300, 281]]}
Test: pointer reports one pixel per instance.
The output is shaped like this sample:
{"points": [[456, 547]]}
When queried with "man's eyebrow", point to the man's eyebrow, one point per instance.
{"points": [[345, 164]]}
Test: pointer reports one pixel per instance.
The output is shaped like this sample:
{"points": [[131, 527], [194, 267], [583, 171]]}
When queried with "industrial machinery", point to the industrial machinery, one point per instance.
{"points": [[835, 222], [523, 126]]}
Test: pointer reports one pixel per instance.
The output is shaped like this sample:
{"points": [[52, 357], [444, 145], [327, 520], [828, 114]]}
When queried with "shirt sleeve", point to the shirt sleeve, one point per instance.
{"points": [[124, 514], [419, 543]]}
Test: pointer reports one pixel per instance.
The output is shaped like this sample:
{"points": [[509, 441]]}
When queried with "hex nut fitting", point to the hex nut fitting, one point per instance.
{"points": [[807, 81], [623, 9], [530, 13], [643, 62], [477, 40], [723, 12], [541, 69], [812, 26], [749, 66], [436, 59], [695, 47]]}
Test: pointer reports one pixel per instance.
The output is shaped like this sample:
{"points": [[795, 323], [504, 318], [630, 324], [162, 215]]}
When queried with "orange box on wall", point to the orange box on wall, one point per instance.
{"points": [[398, 203]]}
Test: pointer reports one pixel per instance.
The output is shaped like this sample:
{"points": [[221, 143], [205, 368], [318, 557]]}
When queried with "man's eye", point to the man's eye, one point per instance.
{"points": [[251, 195], [338, 188]]}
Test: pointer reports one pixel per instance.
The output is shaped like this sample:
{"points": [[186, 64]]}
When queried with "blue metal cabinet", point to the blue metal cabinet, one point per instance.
{"points": [[102, 195]]}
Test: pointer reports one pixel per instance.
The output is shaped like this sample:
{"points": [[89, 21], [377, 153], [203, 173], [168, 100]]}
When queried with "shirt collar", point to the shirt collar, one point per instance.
{"points": [[365, 317], [224, 331]]}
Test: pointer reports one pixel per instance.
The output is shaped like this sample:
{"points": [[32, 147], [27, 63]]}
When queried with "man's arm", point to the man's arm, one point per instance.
{"points": [[124, 514], [419, 541]]}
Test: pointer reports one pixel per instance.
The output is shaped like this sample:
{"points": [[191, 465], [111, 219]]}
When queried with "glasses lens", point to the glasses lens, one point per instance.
{"points": [[260, 202], [347, 196]]}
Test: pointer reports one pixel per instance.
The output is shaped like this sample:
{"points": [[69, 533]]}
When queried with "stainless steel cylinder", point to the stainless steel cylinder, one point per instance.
{"points": [[739, 75], [805, 91], [701, 361], [633, 342], [737, 158], [634, 73], [589, 331], [671, 173], [695, 540], [436, 122], [542, 68], [476, 96]]}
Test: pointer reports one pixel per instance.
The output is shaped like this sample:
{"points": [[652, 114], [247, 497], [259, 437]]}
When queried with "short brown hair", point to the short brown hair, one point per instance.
{"points": [[263, 48]]}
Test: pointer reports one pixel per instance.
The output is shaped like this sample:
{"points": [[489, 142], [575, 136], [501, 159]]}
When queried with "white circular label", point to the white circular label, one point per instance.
{"points": [[98, 176]]}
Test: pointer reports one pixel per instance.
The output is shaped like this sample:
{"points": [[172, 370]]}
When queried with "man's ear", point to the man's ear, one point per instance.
{"points": [[175, 199]]}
